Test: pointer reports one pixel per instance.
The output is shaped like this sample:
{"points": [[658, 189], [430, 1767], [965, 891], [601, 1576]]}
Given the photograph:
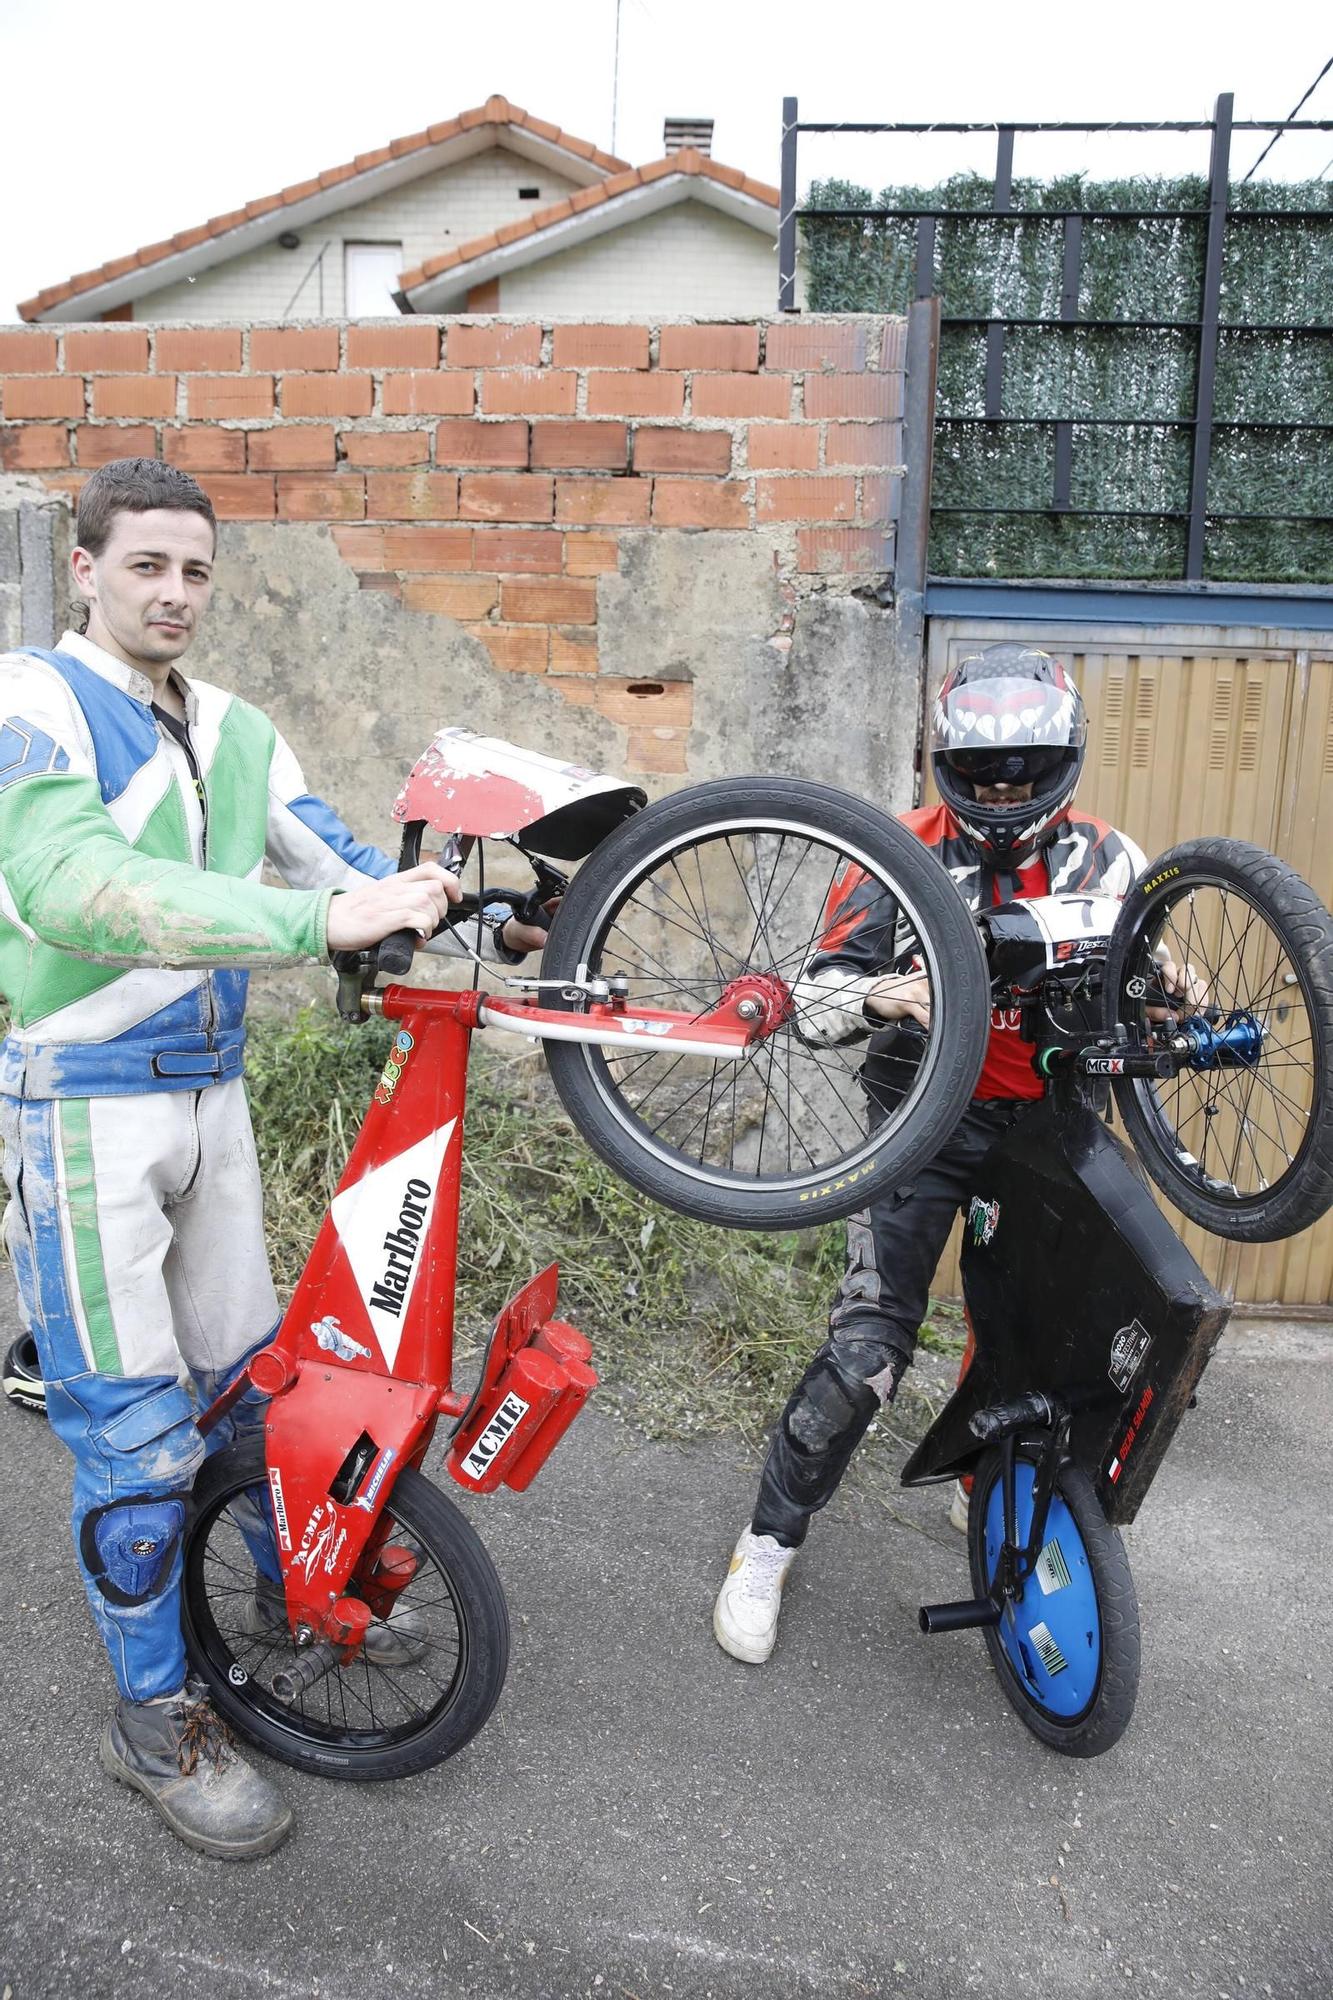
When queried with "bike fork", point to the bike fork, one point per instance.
{"points": [[1001, 1424]]}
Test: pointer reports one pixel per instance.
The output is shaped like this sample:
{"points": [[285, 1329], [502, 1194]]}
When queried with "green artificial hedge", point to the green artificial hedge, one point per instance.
{"points": [[1277, 270]]}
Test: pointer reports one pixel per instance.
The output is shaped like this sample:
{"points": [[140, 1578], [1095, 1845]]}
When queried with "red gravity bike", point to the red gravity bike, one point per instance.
{"points": [[342, 1611]]}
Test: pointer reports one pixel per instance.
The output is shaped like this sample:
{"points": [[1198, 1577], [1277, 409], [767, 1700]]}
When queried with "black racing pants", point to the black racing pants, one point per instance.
{"points": [[893, 1249]]}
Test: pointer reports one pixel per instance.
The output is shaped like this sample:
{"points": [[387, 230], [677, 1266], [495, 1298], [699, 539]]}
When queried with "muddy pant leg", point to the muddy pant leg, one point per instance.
{"points": [[893, 1249]]}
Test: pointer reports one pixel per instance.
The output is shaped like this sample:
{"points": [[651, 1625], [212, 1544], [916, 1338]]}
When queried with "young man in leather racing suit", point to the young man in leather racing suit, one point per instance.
{"points": [[1009, 737], [136, 811]]}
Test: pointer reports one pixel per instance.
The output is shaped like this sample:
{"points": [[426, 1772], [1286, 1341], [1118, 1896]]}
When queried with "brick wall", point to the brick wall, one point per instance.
{"points": [[491, 471]]}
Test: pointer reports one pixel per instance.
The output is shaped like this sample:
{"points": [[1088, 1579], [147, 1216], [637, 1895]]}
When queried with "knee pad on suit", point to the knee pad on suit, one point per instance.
{"points": [[128, 1547]]}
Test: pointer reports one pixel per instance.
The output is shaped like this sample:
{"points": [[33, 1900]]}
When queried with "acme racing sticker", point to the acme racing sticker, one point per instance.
{"points": [[476, 1462]]}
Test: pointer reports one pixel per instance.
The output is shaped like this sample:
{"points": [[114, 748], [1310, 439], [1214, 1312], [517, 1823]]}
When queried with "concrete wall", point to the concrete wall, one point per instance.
{"points": [[686, 259], [427, 216]]}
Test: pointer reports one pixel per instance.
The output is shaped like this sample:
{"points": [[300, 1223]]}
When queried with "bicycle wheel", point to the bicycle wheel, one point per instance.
{"points": [[746, 879], [1067, 1650], [366, 1720], [1241, 1139]]}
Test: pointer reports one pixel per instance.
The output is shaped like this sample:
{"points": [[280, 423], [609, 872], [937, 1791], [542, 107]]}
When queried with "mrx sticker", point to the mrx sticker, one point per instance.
{"points": [[983, 1219], [1128, 1351]]}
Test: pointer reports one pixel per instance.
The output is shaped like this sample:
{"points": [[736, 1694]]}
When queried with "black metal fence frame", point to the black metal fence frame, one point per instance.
{"points": [[1218, 216]]}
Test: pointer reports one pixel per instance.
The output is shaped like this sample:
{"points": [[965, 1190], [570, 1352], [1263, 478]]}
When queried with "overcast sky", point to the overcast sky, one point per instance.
{"points": [[122, 124]]}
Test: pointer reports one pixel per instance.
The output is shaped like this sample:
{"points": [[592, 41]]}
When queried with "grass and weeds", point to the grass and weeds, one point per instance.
{"points": [[695, 1330]]}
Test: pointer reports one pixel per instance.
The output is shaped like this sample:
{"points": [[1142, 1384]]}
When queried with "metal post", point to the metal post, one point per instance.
{"points": [[921, 363], [925, 256], [787, 211], [1218, 177], [1001, 203], [1069, 284]]}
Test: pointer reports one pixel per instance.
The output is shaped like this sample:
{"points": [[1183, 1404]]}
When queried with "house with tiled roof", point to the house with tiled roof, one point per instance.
{"points": [[493, 211]]}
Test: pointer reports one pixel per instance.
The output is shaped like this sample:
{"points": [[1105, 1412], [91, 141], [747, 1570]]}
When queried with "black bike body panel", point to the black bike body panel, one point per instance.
{"points": [[1078, 1286]]}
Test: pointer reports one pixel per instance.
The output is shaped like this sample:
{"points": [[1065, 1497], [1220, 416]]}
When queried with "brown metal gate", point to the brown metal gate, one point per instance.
{"points": [[1193, 731]]}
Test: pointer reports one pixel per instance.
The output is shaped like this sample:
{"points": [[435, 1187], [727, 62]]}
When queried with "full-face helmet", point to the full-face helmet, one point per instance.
{"points": [[1010, 715]]}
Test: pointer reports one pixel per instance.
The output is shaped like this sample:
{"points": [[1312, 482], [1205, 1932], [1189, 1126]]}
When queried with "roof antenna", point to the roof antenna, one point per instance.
{"points": [[615, 80]]}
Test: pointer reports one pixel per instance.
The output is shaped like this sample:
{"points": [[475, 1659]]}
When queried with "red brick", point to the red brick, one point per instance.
{"points": [[682, 451], [369, 579], [660, 750], [533, 392], [514, 551], [621, 502], [292, 347], [134, 395], [308, 447], [385, 448], [302, 497], [636, 395], [27, 353], [740, 396], [327, 395], [537, 601], [877, 396], [600, 347], [517, 649], [645, 704], [34, 447], [880, 497], [419, 547], [201, 448], [844, 551], [198, 350], [452, 596], [801, 499], [863, 444], [362, 547], [512, 496], [70, 484], [699, 503], [43, 396], [574, 651], [229, 395], [467, 442], [246, 496], [783, 447], [893, 346], [98, 444], [589, 554], [581, 447], [119, 350], [798, 343], [428, 395], [723, 347], [493, 346], [394, 346], [412, 496]]}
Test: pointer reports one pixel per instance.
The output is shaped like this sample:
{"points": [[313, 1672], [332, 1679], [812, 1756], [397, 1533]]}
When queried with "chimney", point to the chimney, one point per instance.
{"points": [[696, 132]]}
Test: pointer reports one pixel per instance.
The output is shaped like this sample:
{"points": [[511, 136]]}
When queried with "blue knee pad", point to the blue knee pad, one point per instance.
{"points": [[128, 1547]]}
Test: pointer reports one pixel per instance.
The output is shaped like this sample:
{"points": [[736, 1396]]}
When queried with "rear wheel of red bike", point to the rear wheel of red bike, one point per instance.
{"points": [[741, 883], [440, 1661]]}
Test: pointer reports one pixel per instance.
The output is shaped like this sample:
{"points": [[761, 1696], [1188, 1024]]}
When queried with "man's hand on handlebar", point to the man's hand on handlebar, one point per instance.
{"points": [[900, 997], [414, 900]]}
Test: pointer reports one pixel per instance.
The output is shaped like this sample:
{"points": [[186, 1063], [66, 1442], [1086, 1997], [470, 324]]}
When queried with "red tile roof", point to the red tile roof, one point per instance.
{"points": [[496, 111], [686, 161]]}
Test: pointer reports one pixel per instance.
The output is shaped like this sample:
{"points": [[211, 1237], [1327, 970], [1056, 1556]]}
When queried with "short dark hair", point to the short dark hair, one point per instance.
{"points": [[136, 486]]}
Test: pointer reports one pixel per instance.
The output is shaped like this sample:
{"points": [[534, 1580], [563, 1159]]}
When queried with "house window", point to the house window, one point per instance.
{"points": [[370, 279]]}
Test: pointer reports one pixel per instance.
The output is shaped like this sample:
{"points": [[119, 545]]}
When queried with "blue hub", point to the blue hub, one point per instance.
{"points": [[1235, 1044]]}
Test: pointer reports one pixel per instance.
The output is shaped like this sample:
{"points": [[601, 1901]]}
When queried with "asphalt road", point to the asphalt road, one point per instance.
{"points": [[643, 1817]]}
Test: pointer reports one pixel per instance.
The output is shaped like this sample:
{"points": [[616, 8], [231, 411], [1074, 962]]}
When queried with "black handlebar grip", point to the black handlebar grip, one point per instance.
{"points": [[394, 953]]}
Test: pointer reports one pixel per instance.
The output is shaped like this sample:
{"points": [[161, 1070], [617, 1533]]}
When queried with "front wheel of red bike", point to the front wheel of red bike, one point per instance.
{"points": [[426, 1679]]}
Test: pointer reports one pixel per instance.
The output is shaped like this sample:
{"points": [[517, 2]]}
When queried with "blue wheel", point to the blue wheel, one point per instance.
{"points": [[1066, 1649]]}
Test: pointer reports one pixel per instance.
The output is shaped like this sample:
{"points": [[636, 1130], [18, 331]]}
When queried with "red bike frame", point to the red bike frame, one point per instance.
{"points": [[361, 1368]]}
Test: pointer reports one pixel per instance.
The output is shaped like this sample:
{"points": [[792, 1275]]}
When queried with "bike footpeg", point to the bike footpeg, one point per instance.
{"points": [[1001, 1420], [959, 1616]]}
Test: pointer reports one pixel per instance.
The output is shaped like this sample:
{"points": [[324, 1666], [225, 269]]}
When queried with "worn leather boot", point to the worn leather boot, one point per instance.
{"points": [[184, 1760]]}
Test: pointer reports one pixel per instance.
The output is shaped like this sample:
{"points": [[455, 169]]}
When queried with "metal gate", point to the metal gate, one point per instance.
{"points": [[1196, 730]]}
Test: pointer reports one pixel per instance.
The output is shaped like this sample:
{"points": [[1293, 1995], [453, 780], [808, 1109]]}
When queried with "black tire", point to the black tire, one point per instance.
{"points": [[755, 818], [1247, 1153], [1101, 1720], [332, 1739]]}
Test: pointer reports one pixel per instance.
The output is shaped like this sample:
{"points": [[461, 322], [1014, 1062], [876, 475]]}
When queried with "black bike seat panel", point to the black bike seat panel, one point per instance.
{"points": [[1077, 1286]]}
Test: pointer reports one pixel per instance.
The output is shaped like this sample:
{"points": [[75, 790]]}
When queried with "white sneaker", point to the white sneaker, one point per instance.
{"points": [[745, 1617], [959, 1507]]}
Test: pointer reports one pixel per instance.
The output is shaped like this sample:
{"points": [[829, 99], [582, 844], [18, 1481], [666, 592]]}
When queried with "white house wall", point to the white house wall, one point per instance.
{"points": [[426, 216], [686, 259]]}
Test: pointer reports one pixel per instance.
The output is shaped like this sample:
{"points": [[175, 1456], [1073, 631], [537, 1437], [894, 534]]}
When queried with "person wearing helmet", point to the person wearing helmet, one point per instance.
{"points": [[1009, 736]]}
